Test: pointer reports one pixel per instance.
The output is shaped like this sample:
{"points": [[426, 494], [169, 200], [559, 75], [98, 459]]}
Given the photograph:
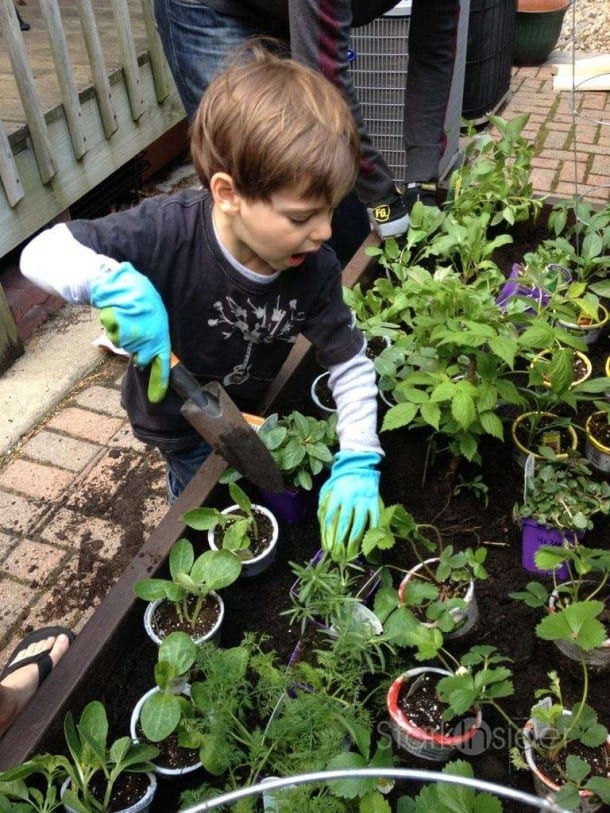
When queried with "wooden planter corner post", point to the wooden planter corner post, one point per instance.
{"points": [[11, 346], [106, 637]]}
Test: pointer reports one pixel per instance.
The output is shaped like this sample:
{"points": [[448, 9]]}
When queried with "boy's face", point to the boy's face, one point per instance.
{"points": [[275, 235]]}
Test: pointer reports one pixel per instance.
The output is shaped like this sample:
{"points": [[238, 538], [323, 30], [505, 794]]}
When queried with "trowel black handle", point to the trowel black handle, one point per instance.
{"points": [[187, 386]]}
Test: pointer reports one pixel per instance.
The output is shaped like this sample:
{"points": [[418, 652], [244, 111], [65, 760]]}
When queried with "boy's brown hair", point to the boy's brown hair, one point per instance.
{"points": [[270, 122]]}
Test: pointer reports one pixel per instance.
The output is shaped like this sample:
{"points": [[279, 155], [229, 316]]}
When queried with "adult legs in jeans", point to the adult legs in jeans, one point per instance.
{"points": [[181, 468], [198, 41]]}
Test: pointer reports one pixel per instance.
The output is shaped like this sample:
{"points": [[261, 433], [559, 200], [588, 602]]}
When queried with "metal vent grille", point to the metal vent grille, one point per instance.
{"points": [[379, 72]]}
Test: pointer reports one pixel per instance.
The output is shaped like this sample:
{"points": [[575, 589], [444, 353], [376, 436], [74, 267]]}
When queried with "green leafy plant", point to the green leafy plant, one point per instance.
{"points": [[322, 588], [166, 710], [41, 794], [577, 621], [582, 241], [451, 370], [371, 310], [564, 495], [91, 756], [191, 579], [93, 768], [444, 798], [479, 677], [578, 613], [495, 176], [239, 529], [255, 718], [555, 726], [301, 445]]}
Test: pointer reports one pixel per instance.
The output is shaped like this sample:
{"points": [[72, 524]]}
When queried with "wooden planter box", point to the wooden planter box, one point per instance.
{"points": [[109, 637]]}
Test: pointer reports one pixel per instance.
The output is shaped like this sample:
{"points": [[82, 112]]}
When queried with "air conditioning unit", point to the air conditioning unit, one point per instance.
{"points": [[379, 71]]}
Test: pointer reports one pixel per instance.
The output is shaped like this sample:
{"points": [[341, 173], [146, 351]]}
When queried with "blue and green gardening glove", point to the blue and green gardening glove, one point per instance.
{"points": [[349, 503], [134, 317]]}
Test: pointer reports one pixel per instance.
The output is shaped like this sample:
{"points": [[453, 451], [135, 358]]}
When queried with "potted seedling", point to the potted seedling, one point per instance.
{"points": [[247, 530], [303, 447], [539, 432], [33, 785], [555, 366], [372, 312], [96, 769], [560, 500], [435, 710], [188, 600], [438, 592], [441, 590], [567, 750], [96, 777], [324, 588], [577, 619], [162, 715]]}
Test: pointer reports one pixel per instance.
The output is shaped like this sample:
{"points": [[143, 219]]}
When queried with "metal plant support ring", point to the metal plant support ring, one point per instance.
{"points": [[370, 773]]}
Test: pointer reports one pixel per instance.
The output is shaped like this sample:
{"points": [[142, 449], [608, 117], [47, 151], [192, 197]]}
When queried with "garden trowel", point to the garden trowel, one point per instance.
{"points": [[210, 410]]}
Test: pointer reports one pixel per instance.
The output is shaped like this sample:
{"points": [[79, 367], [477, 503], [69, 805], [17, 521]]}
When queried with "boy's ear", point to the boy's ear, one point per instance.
{"points": [[224, 194]]}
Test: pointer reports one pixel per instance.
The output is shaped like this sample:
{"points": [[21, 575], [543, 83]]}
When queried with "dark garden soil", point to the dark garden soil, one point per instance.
{"points": [[434, 493], [259, 542], [165, 618], [128, 790], [600, 429]]}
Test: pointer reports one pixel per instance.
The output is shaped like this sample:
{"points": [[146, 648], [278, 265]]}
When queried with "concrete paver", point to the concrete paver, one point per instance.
{"points": [[71, 465], [84, 424], [67, 453], [34, 479]]}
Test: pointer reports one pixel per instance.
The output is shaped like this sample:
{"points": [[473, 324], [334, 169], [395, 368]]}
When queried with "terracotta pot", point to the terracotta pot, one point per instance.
{"points": [[537, 29], [597, 453], [541, 5], [151, 627], [257, 564], [437, 747], [544, 787], [465, 618]]}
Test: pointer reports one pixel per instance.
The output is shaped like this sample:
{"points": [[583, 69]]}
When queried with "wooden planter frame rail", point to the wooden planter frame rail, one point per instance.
{"points": [[106, 636]]}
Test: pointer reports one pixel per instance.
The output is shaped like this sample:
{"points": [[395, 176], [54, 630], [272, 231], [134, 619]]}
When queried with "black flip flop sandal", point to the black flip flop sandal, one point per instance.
{"points": [[42, 659]]}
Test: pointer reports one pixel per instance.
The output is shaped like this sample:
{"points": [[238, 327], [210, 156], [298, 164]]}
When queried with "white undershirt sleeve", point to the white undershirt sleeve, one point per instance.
{"points": [[354, 389], [59, 264]]}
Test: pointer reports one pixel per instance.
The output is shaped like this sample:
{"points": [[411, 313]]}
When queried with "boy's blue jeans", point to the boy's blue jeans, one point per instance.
{"points": [[181, 467]]}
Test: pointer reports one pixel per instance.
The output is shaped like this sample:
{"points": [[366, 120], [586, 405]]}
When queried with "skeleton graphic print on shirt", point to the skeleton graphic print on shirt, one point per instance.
{"points": [[258, 324]]}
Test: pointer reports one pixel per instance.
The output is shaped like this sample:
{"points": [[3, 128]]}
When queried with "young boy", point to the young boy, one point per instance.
{"points": [[229, 275]]}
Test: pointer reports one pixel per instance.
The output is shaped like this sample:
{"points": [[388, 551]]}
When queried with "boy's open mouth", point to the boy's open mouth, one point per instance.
{"points": [[296, 259]]}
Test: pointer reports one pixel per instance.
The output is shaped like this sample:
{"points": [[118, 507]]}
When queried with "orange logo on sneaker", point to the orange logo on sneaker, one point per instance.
{"points": [[381, 213]]}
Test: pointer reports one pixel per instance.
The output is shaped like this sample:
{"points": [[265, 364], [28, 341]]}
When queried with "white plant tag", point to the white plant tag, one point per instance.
{"points": [[528, 472], [542, 728]]}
